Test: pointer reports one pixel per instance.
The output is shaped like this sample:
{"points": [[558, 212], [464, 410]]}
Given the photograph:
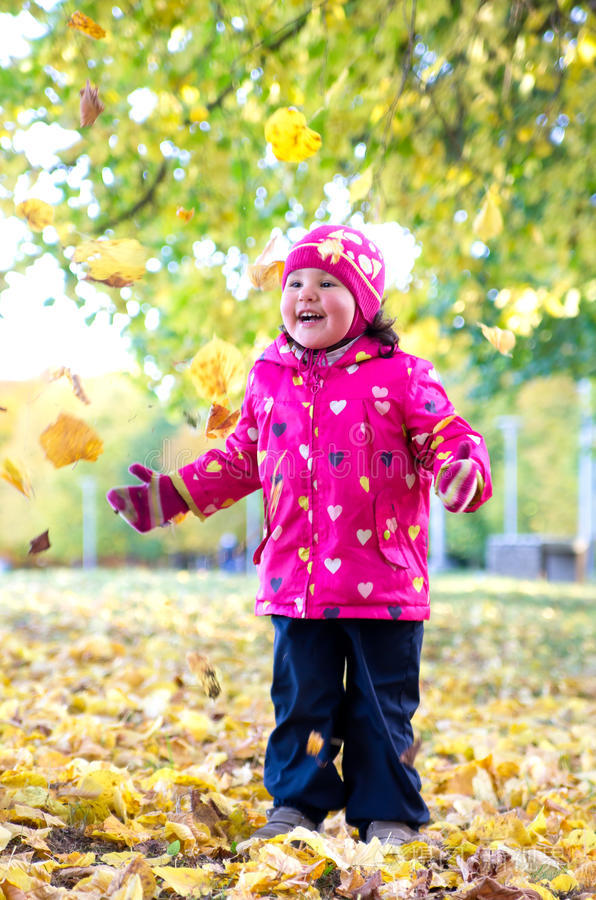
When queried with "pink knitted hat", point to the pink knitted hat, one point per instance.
{"points": [[348, 255]]}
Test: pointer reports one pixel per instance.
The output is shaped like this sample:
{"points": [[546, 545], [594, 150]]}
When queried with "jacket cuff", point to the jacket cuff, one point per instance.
{"points": [[178, 483]]}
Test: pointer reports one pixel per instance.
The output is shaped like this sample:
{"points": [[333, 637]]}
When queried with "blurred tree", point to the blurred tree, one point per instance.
{"points": [[132, 429], [470, 123]]}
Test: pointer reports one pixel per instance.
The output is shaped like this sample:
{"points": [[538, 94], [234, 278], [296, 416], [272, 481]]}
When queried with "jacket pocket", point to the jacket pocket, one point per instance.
{"points": [[387, 525]]}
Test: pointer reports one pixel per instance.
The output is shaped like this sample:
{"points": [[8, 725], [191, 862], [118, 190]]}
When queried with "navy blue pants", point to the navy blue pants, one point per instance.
{"points": [[355, 681]]}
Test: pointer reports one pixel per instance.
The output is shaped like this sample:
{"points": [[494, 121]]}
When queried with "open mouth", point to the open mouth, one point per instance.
{"points": [[305, 318]]}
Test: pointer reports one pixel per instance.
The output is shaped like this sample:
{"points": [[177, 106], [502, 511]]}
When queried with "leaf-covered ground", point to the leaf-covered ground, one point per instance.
{"points": [[120, 778]]}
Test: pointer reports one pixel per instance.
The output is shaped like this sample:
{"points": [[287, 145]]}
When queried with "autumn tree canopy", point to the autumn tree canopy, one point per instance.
{"points": [[468, 123]]}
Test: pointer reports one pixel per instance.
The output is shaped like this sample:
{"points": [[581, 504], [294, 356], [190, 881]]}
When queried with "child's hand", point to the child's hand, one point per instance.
{"points": [[459, 482], [147, 505]]}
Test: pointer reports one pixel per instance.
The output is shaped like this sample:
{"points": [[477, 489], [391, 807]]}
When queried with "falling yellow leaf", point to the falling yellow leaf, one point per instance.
{"points": [[185, 214], [489, 221], [266, 277], [217, 371], [90, 106], [74, 380], [361, 185], [38, 213], [290, 137], [115, 263], [68, 440], [267, 271], [205, 673], [220, 421], [17, 476], [315, 743], [501, 339], [83, 23]]}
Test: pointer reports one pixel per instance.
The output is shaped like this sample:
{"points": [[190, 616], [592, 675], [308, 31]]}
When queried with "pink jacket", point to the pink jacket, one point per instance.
{"points": [[346, 456]]}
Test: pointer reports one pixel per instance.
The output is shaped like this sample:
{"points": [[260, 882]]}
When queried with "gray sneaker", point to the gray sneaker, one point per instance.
{"points": [[395, 833], [282, 819]]}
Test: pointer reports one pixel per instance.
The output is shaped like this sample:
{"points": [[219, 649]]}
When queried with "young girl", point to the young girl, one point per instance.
{"points": [[344, 433]]}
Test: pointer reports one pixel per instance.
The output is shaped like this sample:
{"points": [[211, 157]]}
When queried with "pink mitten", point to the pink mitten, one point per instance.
{"points": [[145, 506], [459, 481]]}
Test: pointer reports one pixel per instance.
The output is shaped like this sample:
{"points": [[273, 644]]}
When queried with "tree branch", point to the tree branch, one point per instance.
{"points": [[143, 201], [284, 33]]}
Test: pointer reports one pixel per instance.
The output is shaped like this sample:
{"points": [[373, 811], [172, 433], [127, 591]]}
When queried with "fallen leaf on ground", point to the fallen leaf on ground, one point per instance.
{"points": [[487, 888], [145, 883], [68, 440]]}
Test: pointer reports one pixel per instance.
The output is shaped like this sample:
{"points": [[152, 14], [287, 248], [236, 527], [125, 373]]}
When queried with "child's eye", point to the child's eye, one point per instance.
{"points": [[327, 284], [294, 284]]}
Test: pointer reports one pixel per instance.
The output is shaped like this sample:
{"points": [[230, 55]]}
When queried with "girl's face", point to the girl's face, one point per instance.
{"points": [[316, 308]]}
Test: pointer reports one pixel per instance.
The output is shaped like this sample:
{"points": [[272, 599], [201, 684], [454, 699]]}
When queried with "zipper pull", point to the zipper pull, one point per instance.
{"points": [[316, 384]]}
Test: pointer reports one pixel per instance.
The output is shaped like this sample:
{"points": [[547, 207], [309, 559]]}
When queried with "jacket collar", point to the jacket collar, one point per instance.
{"points": [[280, 352]]}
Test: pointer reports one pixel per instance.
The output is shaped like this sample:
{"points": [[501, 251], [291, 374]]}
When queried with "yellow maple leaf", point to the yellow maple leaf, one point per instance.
{"points": [[116, 263], [489, 221], [290, 137], [68, 440], [38, 213], [17, 476], [217, 371], [83, 23], [502, 339]]}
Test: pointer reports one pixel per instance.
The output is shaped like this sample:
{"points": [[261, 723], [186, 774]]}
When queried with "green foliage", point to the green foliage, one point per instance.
{"points": [[548, 416], [442, 100], [132, 429]]}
